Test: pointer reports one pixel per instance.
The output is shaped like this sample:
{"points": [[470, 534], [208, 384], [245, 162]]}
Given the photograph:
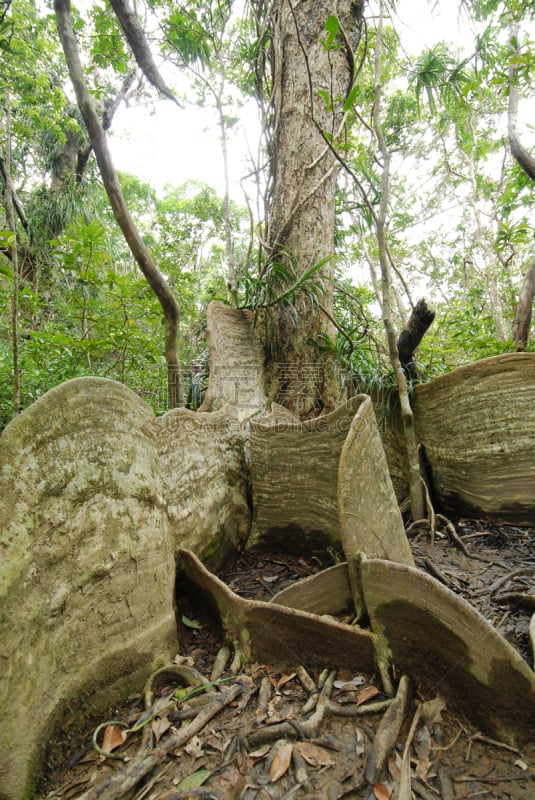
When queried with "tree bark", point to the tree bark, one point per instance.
{"points": [[310, 83], [17, 204], [518, 151], [13, 254], [524, 310], [410, 337], [113, 189], [138, 43]]}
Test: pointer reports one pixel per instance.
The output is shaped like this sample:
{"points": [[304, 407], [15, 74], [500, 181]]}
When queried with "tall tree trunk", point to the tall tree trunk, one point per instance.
{"points": [[13, 252], [518, 151], [417, 504], [113, 189], [524, 310], [310, 84]]}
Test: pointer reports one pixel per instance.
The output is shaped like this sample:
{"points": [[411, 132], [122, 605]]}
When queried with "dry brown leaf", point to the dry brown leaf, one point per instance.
{"points": [[393, 767], [260, 752], [349, 686], [114, 736], [422, 741], [314, 755], [285, 679], [159, 726], [194, 747], [381, 792], [432, 710], [366, 694], [281, 761], [360, 746]]}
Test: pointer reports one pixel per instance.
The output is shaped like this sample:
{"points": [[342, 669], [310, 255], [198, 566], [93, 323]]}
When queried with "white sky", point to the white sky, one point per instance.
{"points": [[173, 144]]}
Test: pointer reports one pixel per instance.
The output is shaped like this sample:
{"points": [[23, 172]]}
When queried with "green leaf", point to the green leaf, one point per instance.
{"points": [[332, 27], [190, 623], [5, 266], [194, 780], [7, 239], [326, 97], [352, 96]]}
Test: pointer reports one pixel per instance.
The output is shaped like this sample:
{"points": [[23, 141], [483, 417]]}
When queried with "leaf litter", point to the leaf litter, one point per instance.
{"points": [[226, 743]]}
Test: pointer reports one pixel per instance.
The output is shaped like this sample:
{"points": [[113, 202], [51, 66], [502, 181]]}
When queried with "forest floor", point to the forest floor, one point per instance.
{"points": [[253, 746]]}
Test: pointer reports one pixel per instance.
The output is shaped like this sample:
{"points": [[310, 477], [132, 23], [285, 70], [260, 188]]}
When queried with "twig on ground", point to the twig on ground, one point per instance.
{"points": [[516, 573], [445, 783], [387, 732], [517, 599], [123, 781], [221, 660]]}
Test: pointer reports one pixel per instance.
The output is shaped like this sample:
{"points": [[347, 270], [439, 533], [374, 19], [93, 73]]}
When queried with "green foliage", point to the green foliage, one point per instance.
{"points": [[107, 45], [284, 286], [188, 36], [84, 308], [438, 75]]}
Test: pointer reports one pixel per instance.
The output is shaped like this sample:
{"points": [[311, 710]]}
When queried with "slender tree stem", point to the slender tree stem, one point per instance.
{"points": [[415, 488], [113, 189], [10, 215]]}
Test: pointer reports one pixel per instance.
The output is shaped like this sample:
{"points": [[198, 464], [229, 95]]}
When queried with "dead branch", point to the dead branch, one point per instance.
{"points": [[387, 732], [116, 787], [412, 334], [516, 599]]}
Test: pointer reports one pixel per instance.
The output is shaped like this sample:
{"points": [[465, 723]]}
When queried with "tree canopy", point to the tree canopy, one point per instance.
{"points": [[456, 223]]}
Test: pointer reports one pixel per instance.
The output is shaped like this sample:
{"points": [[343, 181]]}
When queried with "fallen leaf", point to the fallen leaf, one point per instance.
{"points": [[190, 623], [159, 726], [422, 741], [194, 779], [393, 767], [366, 694], [381, 792], [194, 747], [187, 660], [260, 752], [360, 747], [284, 679], [281, 762], [432, 710], [314, 755], [114, 737], [348, 686]]}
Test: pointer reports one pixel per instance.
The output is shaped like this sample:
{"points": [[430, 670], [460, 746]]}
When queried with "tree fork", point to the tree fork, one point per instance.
{"points": [[140, 252]]}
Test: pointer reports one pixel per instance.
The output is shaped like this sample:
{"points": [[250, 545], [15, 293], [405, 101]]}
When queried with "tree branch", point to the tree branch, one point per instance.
{"points": [[519, 153], [412, 334], [19, 208], [140, 48], [113, 189]]}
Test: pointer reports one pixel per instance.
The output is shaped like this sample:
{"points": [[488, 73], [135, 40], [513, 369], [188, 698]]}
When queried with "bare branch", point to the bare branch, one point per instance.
{"points": [[138, 43]]}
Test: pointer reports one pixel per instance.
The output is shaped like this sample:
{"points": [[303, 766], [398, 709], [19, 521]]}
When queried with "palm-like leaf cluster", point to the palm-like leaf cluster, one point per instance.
{"points": [[283, 286], [439, 74]]}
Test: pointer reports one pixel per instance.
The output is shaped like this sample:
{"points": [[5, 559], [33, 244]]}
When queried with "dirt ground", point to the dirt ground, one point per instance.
{"points": [[278, 732]]}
